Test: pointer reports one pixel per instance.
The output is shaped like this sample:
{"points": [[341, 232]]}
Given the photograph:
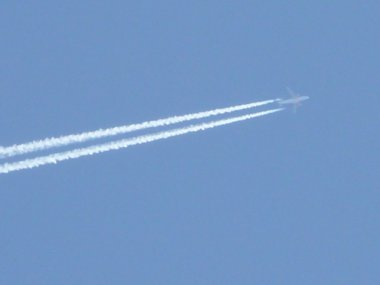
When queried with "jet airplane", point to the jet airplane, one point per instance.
{"points": [[295, 99]]}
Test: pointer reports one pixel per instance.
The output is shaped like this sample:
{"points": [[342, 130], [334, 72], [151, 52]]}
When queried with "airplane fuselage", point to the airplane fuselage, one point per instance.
{"points": [[294, 101]]}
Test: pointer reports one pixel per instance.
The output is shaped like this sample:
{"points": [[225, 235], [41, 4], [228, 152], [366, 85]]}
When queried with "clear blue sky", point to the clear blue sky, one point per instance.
{"points": [[284, 199]]}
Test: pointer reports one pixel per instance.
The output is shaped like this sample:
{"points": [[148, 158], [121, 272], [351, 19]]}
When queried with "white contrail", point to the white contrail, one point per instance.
{"points": [[76, 153], [101, 133]]}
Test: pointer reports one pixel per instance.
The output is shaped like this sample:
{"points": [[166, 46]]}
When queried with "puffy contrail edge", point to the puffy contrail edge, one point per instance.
{"points": [[76, 153], [101, 133]]}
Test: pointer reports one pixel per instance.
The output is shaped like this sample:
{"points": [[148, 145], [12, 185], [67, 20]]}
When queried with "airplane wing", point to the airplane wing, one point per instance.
{"points": [[291, 92], [295, 106]]}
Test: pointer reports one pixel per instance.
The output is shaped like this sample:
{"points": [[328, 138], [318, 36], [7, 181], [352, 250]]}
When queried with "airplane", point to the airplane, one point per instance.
{"points": [[295, 99]]}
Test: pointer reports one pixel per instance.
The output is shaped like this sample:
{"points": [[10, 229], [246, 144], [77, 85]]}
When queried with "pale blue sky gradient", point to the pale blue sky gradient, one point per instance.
{"points": [[284, 199]]}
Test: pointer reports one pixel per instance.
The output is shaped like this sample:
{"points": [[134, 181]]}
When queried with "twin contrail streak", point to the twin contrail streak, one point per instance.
{"points": [[102, 133], [80, 152]]}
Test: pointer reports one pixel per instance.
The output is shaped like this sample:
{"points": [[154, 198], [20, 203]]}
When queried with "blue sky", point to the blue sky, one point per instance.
{"points": [[284, 199]]}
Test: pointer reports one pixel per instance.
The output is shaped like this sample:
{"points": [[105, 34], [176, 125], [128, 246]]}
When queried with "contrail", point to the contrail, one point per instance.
{"points": [[102, 133], [76, 153]]}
